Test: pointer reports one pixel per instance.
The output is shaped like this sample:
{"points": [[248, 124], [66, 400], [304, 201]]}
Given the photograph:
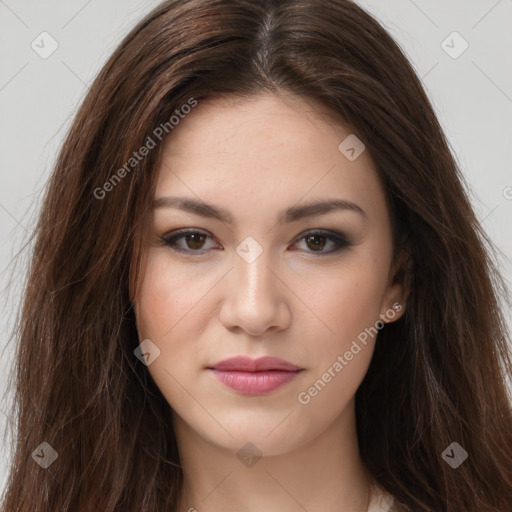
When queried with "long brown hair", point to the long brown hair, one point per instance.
{"points": [[437, 375]]}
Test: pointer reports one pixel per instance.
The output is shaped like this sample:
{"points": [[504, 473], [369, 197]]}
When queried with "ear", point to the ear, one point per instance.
{"points": [[398, 288]]}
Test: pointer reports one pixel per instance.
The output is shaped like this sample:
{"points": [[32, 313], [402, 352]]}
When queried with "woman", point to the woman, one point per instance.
{"points": [[258, 282]]}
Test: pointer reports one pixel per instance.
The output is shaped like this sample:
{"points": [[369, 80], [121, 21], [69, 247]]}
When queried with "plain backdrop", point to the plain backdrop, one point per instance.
{"points": [[467, 74]]}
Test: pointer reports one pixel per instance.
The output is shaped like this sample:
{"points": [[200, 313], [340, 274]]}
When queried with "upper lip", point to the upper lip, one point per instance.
{"points": [[246, 364]]}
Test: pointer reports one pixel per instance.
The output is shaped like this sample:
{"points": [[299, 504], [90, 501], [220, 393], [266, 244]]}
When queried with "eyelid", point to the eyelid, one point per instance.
{"points": [[320, 232]]}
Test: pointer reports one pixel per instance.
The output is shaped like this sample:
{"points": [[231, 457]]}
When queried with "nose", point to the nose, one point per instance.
{"points": [[256, 298]]}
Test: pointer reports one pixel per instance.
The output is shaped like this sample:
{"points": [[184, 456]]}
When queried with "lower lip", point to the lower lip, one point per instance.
{"points": [[255, 383]]}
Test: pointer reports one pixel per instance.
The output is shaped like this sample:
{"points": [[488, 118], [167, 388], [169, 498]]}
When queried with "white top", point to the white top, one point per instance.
{"points": [[381, 501]]}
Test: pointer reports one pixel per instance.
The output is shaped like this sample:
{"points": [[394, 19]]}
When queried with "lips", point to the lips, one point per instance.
{"points": [[246, 364], [254, 376]]}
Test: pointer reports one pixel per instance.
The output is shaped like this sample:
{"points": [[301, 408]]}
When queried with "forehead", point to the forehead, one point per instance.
{"points": [[224, 124], [264, 151]]}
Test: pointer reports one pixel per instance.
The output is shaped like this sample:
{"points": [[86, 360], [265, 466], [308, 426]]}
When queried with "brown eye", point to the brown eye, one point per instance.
{"points": [[189, 241], [316, 242], [195, 240], [192, 242]]}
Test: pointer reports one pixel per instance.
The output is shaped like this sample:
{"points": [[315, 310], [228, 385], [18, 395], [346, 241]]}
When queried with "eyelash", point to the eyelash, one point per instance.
{"points": [[341, 242]]}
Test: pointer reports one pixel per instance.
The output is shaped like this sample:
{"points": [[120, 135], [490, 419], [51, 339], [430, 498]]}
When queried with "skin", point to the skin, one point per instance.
{"points": [[254, 157]]}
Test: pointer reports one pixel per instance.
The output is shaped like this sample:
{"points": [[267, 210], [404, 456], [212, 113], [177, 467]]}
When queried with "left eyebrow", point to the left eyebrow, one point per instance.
{"points": [[291, 214], [311, 209]]}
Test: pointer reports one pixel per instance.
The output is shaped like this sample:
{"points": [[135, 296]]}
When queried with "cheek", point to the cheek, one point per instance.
{"points": [[346, 300], [348, 303], [168, 295], [168, 309], [339, 356]]}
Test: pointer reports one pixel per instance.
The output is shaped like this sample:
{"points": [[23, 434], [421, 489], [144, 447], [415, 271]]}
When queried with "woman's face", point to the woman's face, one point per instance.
{"points": [[245, 278]]}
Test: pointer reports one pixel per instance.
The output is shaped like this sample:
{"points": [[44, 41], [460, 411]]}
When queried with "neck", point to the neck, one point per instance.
{"points": [[324, 474]]}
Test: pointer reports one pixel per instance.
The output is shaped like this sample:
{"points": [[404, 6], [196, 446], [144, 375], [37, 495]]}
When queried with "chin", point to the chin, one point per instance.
{"points": [[264, 436]]}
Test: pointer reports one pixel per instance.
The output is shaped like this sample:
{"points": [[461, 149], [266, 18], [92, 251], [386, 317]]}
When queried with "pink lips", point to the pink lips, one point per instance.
{"points": [[254, 376]]}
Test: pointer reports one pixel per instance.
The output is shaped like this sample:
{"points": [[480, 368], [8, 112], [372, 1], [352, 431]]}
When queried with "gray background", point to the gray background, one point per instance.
{"points": [[472, 95]]}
